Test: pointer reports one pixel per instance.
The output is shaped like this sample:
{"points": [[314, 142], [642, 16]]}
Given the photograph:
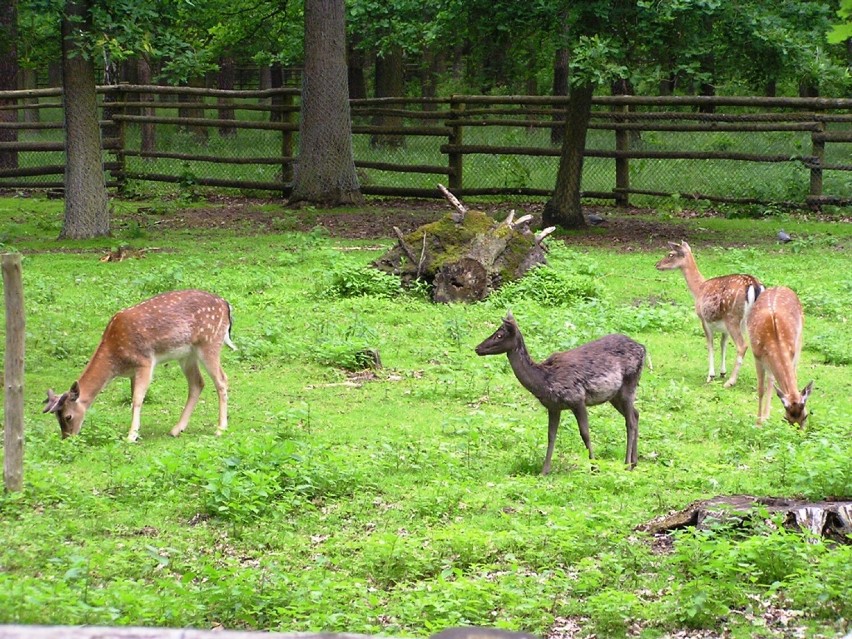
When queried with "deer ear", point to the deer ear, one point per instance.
{"points": [[509, 316], [781, 397], [74, 393], [51, 402], [685, 246], [806, 391], [674, 245]]}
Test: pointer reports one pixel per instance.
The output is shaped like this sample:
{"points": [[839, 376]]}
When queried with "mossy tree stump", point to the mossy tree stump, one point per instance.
{"points": [[465, 255]]}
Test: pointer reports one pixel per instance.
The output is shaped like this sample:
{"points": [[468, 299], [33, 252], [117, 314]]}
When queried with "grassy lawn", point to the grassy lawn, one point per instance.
{"points": [[409, 500]]}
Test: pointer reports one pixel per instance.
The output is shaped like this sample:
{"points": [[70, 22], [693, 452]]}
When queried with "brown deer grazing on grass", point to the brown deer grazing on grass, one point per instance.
{"points": [[189, 326], [605, 370], [775, 324], [721, 304]]}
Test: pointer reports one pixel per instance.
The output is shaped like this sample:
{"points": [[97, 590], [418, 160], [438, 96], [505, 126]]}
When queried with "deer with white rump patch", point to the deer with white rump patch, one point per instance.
{"points": [[605, 370], [721, 304], [775, 324], [189, 326]]}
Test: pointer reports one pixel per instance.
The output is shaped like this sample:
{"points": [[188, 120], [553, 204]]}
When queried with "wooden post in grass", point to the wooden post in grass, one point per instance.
{"points": [[13, 373], [818, 152], [622, 164]]}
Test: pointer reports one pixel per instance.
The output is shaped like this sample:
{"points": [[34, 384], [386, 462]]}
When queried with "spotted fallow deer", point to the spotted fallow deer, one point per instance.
{"points": [[605, 370], [775, 324], [189, 326], [721, 304]]}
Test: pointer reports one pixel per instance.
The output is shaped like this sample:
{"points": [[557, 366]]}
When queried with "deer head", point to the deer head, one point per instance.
{"points": [[794, 407], [68, 410], [503, 340], [677, 257]]}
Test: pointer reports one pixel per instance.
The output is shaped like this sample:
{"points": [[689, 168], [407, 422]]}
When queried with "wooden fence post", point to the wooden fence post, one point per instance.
{"points": [[286, 102], [456, 160], [818, 151], [622, 164], [13, 373], [120, 172]]}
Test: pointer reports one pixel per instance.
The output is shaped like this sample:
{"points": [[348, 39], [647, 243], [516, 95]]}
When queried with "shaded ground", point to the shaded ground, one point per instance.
{"points": [[626, 229]]}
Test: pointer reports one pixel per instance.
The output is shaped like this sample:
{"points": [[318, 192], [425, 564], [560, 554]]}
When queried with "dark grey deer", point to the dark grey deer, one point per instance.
{"points": [[605, 370]]}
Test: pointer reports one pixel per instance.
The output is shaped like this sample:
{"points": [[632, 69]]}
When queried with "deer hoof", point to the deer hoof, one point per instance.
{"points": [[710, 378], [730, 382]]}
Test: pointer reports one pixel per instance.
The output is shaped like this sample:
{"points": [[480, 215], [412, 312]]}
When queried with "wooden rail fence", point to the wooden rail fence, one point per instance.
{"points": [[451, 122]]}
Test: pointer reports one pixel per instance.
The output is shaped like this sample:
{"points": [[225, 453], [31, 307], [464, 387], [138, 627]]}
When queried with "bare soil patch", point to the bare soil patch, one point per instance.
{"points": [[628, 229]]}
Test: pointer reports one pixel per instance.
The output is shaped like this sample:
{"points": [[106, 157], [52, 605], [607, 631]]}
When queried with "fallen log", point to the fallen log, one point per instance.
{"points": [[831, 518]]}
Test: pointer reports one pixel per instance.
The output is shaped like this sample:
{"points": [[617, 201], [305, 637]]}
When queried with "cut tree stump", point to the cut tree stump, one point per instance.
{"points": [[831, 518], [466, 255]]}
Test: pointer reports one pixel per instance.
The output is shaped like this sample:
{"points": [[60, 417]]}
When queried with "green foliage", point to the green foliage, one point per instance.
{"points": [[262, 476], [842, 31], [568, 279], [357, 281]]}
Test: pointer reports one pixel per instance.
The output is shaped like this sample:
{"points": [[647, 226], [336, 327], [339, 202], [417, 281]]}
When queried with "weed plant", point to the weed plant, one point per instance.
{"points": [[408, 499]]}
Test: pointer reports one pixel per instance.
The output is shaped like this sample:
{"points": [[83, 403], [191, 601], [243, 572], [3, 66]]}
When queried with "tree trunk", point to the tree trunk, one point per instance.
{"points": [[707, 64], [389, 83], [8, 79], [54, 73], [564, 208], [355, 70], [86, 200], [325, 171], [276, 81], [110, 128], [130, 75], [147, 130], [561, 58], [433, 62], [193, 107], [808, 89], [226, 79], [265, 77], [29, 81], [771, 89]]}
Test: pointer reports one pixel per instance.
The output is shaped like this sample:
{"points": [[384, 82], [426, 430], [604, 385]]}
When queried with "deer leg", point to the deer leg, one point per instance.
{"points": [[711, 367], [553, 416], [139, 388], [624, 404], [582, 417], [723, 363], [762, 388], [196, 385], [737, 336], [210, 360]]}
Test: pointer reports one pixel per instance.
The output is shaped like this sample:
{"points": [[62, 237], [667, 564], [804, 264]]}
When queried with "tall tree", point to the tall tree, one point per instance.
{"points": [[325, 171], [8, 78], [591, 63], [389, 83], [86, 201]]}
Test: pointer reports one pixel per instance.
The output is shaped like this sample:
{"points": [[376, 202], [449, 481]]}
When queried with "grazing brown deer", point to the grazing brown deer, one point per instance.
{"points": [[775, 324], [189, 326], [721, 304], [605, 370]]}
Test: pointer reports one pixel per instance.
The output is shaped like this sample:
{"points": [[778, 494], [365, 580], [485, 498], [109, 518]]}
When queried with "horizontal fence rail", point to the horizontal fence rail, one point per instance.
{"points": [[795, 151]]}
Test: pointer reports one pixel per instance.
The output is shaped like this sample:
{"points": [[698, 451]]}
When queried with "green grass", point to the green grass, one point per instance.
{"points": [[409, 502]]}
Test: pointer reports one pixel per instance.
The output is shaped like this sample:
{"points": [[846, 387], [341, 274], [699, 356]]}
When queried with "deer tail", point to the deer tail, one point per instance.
{"points": [[228, 341], [752, 293]]}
